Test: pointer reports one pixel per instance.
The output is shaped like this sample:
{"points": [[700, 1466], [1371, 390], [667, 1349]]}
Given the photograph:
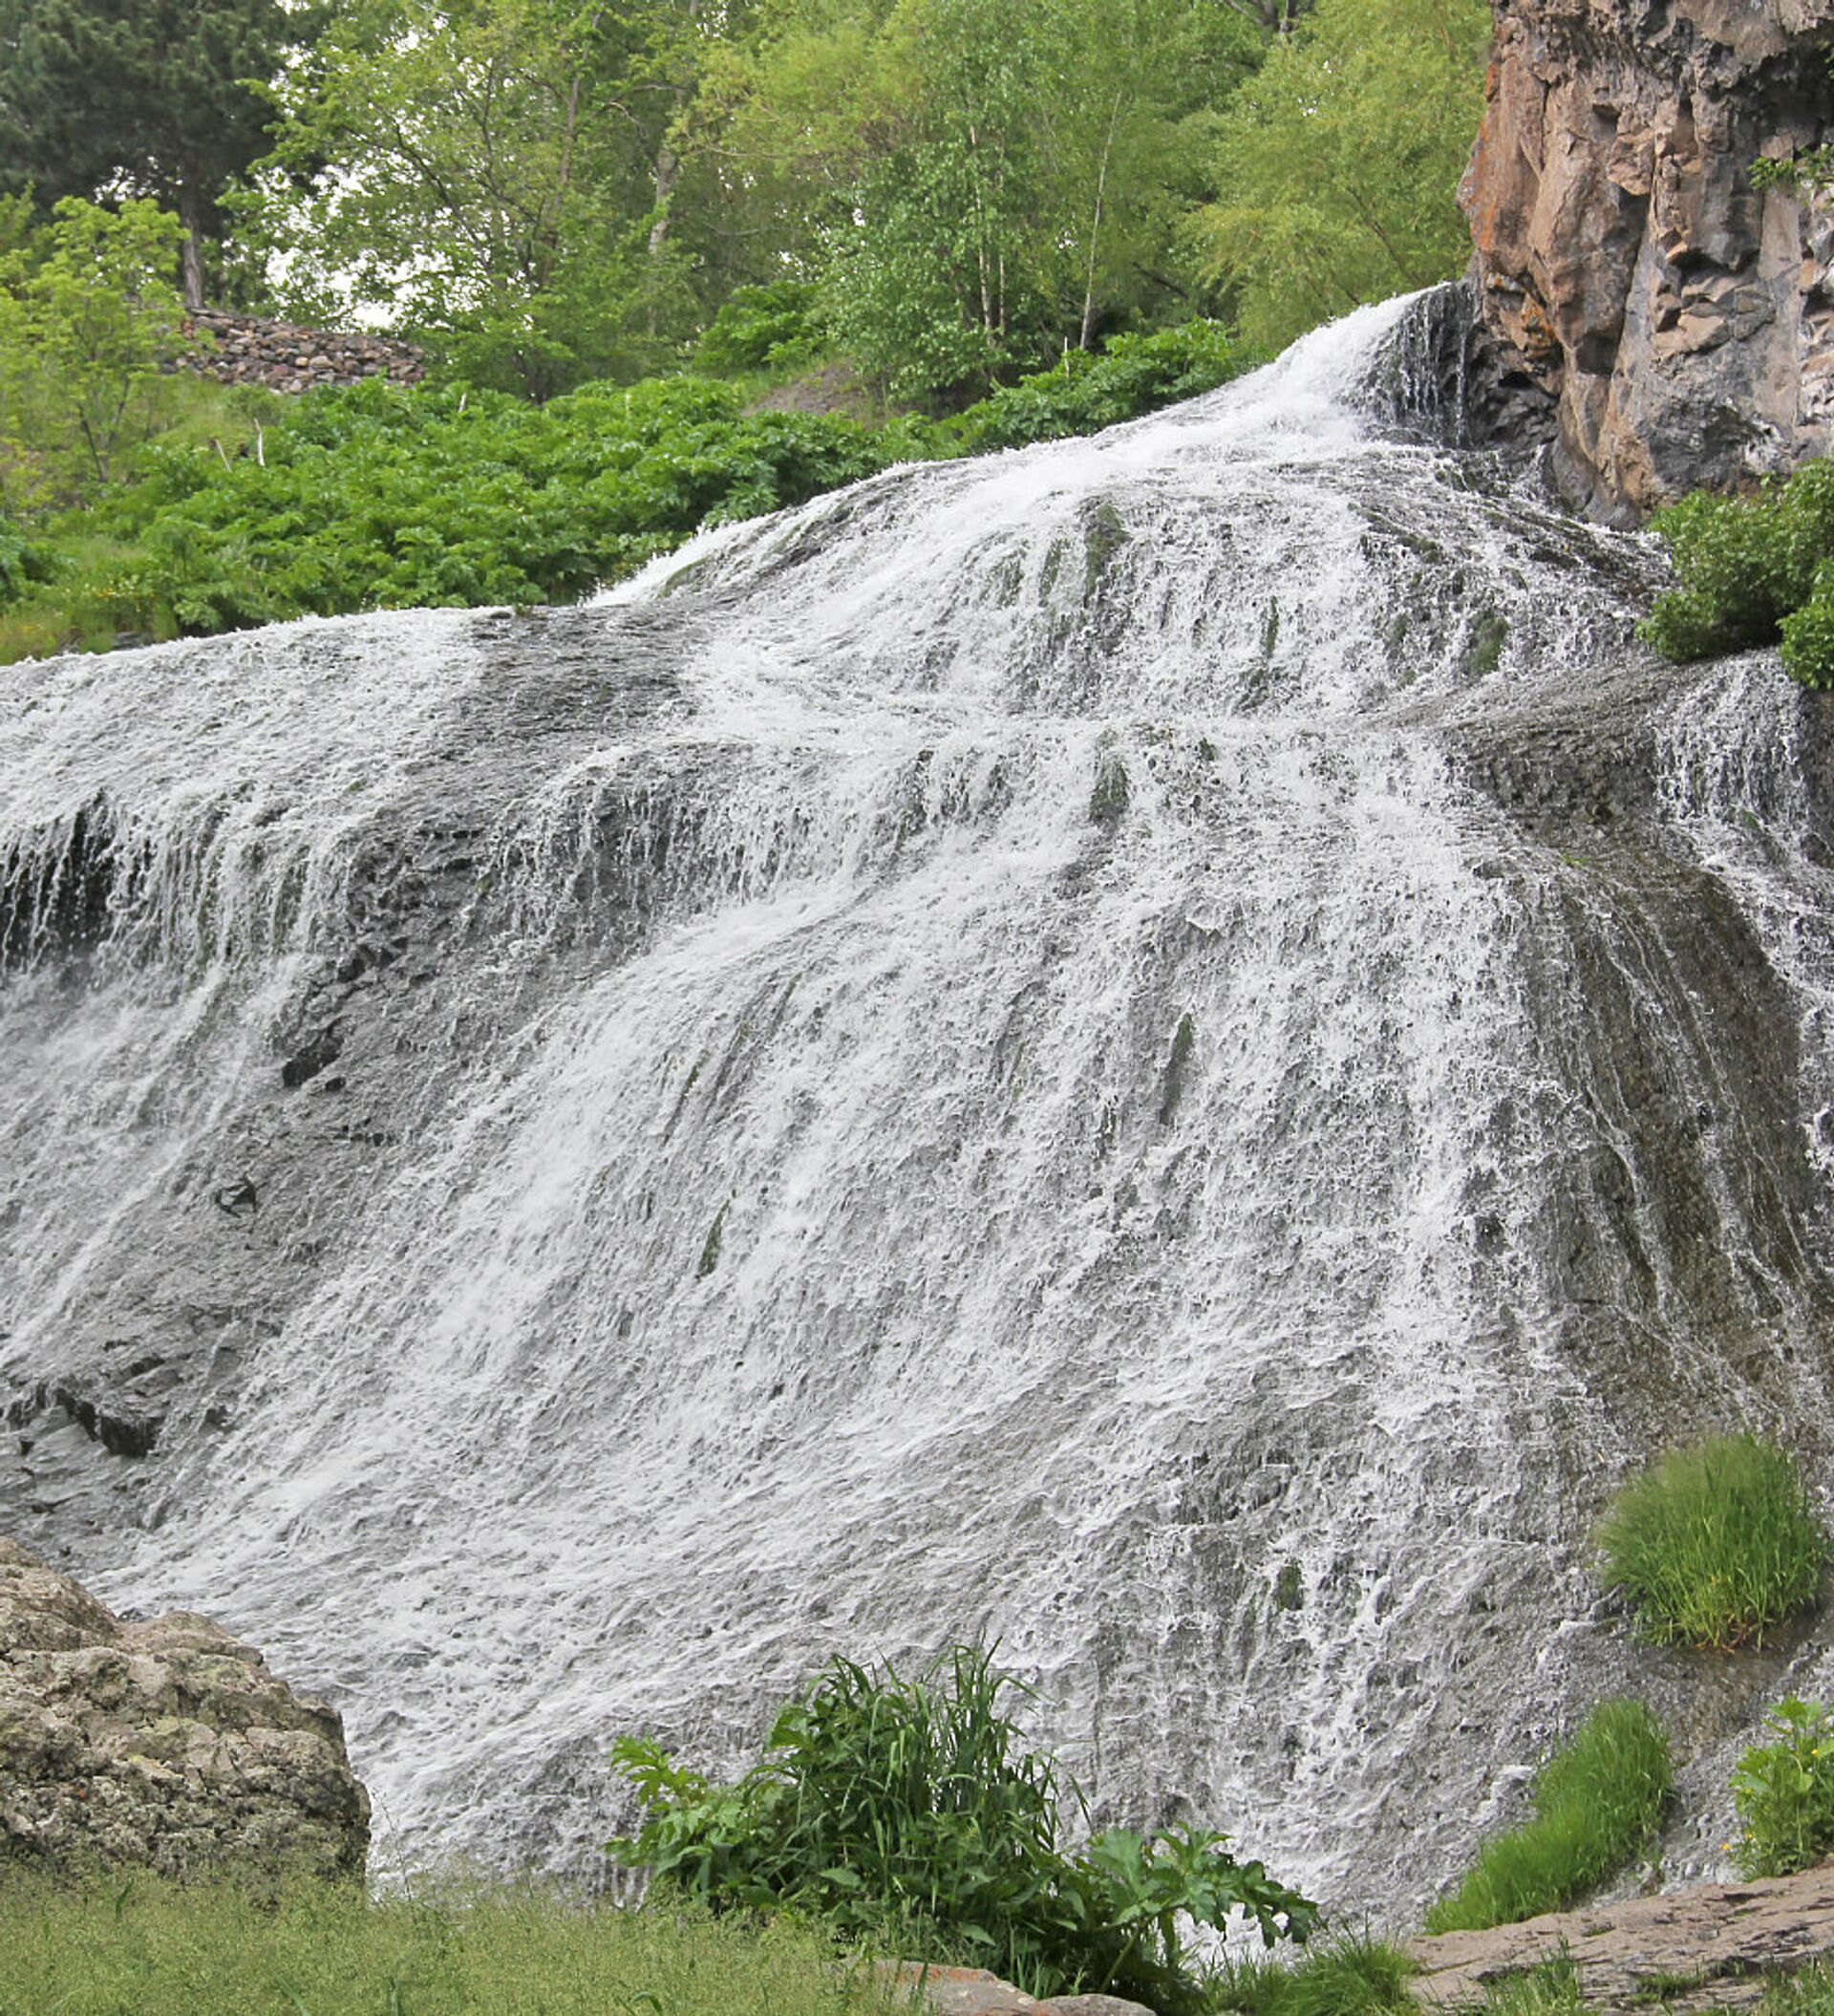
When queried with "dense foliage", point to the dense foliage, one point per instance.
{"points": [[1752, 571], [381, 498], [160, 99], [1337, 166], [551, 194], [1784, 1791], [1597, 1802], [908, 1811], [974, 224], [1717, 1544]]}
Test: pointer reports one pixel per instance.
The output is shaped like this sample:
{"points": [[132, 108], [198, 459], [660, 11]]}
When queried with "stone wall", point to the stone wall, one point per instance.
{"points": [[247, 350], [1682, 318]]}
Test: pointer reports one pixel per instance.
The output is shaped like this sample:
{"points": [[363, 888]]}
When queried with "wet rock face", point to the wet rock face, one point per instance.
{"points": [[165, 1744], [1682, 318]]}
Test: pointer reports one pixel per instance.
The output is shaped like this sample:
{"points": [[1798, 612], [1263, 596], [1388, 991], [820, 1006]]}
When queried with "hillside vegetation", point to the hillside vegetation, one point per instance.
{"points": [[616, 233]]}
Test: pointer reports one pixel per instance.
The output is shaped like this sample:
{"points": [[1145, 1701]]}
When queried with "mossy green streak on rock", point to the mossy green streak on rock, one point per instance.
{"points": [[1490, 634], [1108, 801], [715, 1239], [1177, 1064]]}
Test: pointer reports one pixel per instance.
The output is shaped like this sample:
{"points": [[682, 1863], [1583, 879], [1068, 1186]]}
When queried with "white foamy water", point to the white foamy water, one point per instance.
{"points": [[968, 1060]]}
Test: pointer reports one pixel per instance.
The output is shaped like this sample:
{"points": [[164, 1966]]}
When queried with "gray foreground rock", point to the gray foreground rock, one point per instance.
{"points": [[166, 1744], [971, 1991], [1708, 1947]]}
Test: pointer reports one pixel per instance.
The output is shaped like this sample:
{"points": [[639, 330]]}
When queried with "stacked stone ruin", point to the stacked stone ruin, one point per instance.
{"points": [[248, 350]]}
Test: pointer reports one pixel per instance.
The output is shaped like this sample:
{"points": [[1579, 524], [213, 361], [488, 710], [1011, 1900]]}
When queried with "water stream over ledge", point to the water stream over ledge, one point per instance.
{"points": [[1173, 1048]]}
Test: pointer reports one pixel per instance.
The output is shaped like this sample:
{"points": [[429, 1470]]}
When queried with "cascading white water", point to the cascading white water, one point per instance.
{"points": [[986, 1056]]}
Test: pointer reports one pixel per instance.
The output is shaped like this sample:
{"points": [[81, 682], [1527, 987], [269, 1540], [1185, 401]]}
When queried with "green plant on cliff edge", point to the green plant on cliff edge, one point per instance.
{"points": [[1716, 1544], [1598, 1800], [1753, 571], [909, 1812]]}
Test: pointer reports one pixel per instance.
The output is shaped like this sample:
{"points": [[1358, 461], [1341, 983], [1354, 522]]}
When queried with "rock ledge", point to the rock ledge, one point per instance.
{"points": [[1708, 1947]]}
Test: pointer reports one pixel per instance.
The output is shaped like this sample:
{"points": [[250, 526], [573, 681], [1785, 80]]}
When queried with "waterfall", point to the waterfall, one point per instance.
{"points": [[1173, 1049]]}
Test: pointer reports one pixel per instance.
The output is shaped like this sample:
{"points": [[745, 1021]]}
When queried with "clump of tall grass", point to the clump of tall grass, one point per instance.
{"points": [[1716, 1544], [910, 1813], [1349, 1975], [1550, 1989], [155, 1948], [1598, 1800]]}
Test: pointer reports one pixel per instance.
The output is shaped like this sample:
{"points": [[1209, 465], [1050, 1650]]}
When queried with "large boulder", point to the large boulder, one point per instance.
{"points": [[165, 1745], [1626, 262]]}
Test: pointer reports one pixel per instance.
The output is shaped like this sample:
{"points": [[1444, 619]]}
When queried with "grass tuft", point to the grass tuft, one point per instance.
{"points": [[1597, 1801], [1716, 1544], [1350, 1975], [1550, 1989]]}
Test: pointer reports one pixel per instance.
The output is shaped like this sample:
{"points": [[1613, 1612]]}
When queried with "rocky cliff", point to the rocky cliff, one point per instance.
{"points": [[1681, 316]]}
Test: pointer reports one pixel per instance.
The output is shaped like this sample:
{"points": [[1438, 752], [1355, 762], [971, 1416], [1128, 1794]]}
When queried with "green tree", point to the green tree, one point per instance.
{"points": [[979, 182], [89, 322], [155, 97], [508, 177], [1339, 163]]}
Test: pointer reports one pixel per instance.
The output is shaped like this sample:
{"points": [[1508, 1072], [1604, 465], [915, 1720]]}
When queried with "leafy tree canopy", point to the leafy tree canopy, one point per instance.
{"points": [[979, 182], [1338, 164]]}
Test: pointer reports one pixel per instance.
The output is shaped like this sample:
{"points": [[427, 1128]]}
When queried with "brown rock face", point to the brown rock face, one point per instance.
{"points": [[1707, 1949], [1682, 318], [165, 1743]]}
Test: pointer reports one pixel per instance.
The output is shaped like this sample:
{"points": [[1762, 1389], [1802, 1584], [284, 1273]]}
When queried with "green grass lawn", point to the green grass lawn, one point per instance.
{"points": [[136, 1946]]}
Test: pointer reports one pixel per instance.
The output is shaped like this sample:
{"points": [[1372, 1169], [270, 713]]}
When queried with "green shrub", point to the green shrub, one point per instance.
{"points": [[1785, 1793], [379, 498], [1747, 569], [133, 1943], [1716, 1544], [907, 1813], [1135, 374], [761, 327], [1598, 1800], [22, 562]]}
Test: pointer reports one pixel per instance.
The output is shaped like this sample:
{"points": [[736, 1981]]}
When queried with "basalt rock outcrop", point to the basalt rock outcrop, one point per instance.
{"points": [[249, 350], [165, 1745], [1628, 262]]}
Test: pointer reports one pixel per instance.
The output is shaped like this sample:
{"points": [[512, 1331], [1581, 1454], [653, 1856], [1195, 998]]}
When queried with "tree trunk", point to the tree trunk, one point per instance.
{"points": [[668, 174], [192, 257]]}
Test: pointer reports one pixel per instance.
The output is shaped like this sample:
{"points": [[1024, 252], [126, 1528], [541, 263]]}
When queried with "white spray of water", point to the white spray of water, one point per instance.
{"points": [[996, 1094]]}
